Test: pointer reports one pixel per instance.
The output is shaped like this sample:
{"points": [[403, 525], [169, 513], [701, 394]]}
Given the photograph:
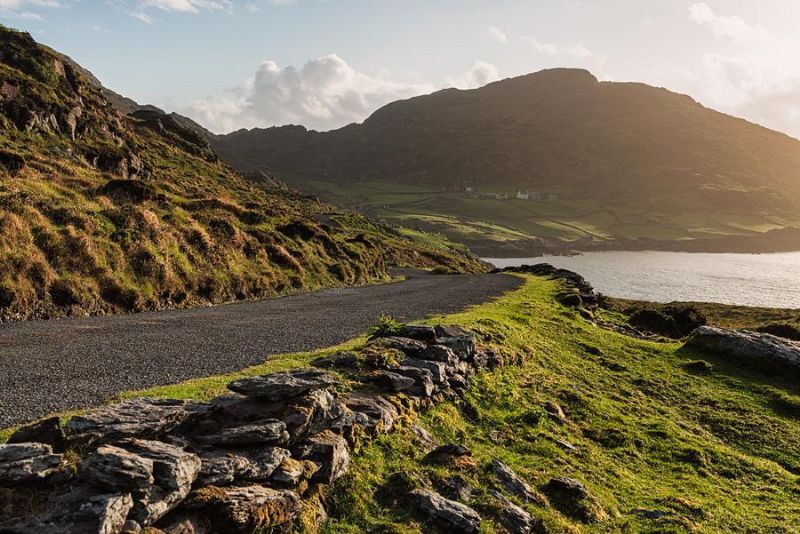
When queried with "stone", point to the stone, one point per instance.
{"points": [[291, 472], [116, 469], [243, 510], [512, 483], [440, 353], [271, 431], [423, 436], [174, 472], [27, 462], [749, 347], [458, 382], [445, 513], [330, 452], [224, 468], [187, 523], [572, 498], [131, 527], [426, 334], [438, 370], [378, 413], [280, 387], [135, 418], [555, 412], [409, 347], [456, 488], [317, 411], [515, 518], [389, 381], [48, 431], [79, 512], [423, 380], [340, 360], [447, 454]]}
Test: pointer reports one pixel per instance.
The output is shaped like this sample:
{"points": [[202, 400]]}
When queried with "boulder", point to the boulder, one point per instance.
{"points": [[271, 431], [750, 347], [115, 469], [224, 468], [458, 382], [340, 360], [572, 498], [456, 488], [243, 510], [330, 452], [136, 418], [389, 381], [291, 472], [317, 411], [444, 513], [512, 483], [515, 518], [377, 413], [27, 462], [409, 347], [423, 380], [174, 472], [438, 370], [79, 511], [425, 334], [48, 431], [450, 455], [440, 353], [280, 387]]}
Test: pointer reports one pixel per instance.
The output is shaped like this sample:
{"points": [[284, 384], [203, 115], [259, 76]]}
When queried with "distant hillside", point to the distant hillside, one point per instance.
{"points": [[102, 212], [619, 162]]}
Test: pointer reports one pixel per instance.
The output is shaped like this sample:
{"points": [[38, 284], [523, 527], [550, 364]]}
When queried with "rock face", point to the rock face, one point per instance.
{"points": [[746, 346], [445, 513], [246, 461]]}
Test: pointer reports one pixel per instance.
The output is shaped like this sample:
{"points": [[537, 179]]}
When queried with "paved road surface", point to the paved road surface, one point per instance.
{"points": [[53, 366]]}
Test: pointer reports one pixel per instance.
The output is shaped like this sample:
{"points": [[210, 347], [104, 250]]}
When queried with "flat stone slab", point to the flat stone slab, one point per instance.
{"points": [[283, 386], [744, 345]]}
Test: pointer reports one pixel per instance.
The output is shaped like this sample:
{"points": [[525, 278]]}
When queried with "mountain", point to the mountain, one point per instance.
{"points": [[620, 163], [102, 212]]}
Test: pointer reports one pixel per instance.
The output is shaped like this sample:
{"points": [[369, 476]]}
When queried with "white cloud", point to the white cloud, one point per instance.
{"points": [[20, 9], [189, 6], [323, 94], [577, 51], [144, 17], [728, 26], [479, 75], [750, 89], [497, 34]]}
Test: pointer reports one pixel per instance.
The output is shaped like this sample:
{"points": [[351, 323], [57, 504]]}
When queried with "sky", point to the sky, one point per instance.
{"points": [[233, 64]]}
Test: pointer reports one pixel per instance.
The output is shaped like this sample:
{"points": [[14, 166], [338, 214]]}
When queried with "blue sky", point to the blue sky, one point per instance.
{"points": [[324, 63]]}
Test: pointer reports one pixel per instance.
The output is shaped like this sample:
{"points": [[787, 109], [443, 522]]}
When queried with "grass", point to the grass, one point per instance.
{"points": [[719, 450], [650, 426]]}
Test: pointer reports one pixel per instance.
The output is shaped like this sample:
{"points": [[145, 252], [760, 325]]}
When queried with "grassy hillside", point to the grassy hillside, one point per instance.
{"points": [[643, 430], [715, 452], [101, 212], [629, 166]]}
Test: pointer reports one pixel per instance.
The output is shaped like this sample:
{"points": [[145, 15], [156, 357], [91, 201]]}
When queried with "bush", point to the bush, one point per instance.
{"points": [[385, 327], [783, 330], [443, 269], [670, 321]]}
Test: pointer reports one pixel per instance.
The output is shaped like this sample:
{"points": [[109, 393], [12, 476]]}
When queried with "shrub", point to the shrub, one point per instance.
{"points": [[783, 330], [386, 326], [443, 269], [671, 321]]}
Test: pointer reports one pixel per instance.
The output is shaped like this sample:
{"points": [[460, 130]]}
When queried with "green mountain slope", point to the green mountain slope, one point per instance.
{"points": [[101, 212], [606, 163]]}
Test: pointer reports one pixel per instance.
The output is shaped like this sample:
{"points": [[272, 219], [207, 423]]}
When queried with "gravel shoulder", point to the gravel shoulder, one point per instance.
{"points": [[54, 366]]}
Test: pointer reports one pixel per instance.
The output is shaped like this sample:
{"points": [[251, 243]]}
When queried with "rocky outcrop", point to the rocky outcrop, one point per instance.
{"points": [[446, 514], [748, 347], [247, 461], [578, 293]]}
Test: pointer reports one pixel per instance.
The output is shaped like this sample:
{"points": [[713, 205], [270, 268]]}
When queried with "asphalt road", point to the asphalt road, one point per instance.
{"points": [[53, 366]]}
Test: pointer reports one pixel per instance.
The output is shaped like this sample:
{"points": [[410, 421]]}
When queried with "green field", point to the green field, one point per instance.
{"points": [[575, 221]]}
